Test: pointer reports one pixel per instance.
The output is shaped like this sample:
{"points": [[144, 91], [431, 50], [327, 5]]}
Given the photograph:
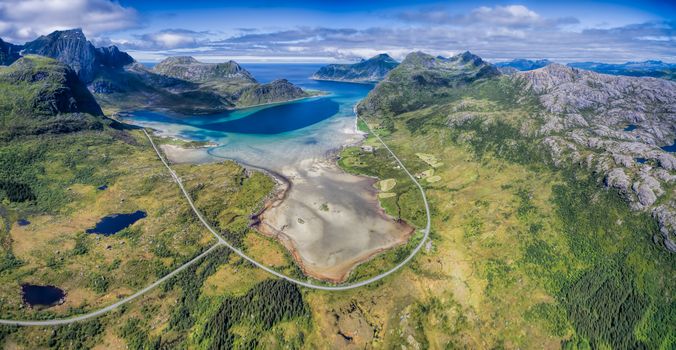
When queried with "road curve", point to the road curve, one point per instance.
{"points": [[237, 251], [111, 307]]}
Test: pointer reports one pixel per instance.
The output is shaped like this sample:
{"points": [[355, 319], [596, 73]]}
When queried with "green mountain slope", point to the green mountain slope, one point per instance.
{"points": [[40, 95], [423, 79], [535, 184]]}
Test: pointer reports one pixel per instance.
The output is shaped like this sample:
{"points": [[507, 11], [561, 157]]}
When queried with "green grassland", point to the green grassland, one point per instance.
{"points": [[528, 255]]}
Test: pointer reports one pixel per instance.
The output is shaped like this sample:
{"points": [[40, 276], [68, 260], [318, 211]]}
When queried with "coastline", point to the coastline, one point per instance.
{"points": [[363, 82]]}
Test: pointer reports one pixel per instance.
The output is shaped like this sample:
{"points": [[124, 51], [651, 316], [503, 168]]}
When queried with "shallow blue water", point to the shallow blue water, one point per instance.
{"points": [[112, 224], [272, 135]]}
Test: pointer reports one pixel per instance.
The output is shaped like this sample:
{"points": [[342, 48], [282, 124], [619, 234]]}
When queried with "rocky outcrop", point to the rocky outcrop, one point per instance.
{"points": [[190, 69], [9, 53], [68, 46], [112, 57], [614, 125], [367, 71]]}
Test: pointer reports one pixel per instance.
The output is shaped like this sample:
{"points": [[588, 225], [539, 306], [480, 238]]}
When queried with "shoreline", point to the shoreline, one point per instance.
{"points": [[398, 233]]}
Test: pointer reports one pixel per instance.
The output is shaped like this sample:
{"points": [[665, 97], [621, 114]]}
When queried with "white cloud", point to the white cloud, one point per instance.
{"points": [[24, 20]]}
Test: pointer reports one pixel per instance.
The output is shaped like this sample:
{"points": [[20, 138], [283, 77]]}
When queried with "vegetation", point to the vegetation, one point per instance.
{"points": [[265, 305]]}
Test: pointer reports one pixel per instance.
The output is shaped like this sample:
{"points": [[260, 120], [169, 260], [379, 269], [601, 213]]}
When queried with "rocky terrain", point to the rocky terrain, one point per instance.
{"points": [[367, 71], [615, 126], [652, 68]]}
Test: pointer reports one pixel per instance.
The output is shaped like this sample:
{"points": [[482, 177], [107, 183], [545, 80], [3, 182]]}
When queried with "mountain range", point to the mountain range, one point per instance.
{"points": [[371, 70], [651, 68], [181, 84]]}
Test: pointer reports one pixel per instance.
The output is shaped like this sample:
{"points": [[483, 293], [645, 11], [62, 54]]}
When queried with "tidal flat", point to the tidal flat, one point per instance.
{"points": [[329, 220]]}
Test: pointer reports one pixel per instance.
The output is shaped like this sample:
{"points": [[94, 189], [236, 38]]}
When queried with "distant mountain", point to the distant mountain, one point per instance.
{"points": [[188, 68], [182, 84], [423, 79], [523, 64], [372, 70], [9, 53], [41, 95], [656, 69]]}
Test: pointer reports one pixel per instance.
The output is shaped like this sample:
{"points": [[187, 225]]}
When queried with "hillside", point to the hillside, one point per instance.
{"points": [[423, 79], [367, 71], [40, 95], [550, 181]]}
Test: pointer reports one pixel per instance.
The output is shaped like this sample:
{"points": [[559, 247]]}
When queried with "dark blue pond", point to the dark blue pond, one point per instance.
{"points": [[35, 295], [641, 160], [671, 148], [23, 222], [630, 127], [102, 188], [115, 223]]}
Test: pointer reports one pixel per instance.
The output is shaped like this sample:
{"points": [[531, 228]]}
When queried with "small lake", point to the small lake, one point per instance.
{"points": [[630, 127], [671, 148], [36, 295], [641, 160], [23, 222], [102, 187], [112, 224]]}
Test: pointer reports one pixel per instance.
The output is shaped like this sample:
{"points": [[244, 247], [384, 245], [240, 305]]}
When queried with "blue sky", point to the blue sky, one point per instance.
{"points": [[327, 31]]}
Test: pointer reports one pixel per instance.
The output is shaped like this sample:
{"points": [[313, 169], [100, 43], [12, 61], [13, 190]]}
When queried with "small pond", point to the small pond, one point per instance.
{"points": [[112, 224], [36, 295], [641, 160], [23, 222], [102, 188], [630, 127], [671, 148]]}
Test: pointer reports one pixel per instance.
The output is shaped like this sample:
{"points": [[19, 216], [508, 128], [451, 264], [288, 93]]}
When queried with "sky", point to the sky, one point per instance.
{"points": [[342, 31]]}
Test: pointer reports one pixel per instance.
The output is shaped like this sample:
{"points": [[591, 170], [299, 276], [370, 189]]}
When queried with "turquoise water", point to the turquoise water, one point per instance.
{"points": [[274, 135]]}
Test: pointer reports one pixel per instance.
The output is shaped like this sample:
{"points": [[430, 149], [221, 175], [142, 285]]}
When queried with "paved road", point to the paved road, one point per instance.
{"points": [[221, 241]]}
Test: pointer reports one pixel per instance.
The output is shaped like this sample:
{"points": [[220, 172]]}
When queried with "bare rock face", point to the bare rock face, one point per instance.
{"points": [[617, 124], [70, 47]]}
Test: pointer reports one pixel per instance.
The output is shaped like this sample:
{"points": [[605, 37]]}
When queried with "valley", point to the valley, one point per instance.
{"points": [[436, 202]]}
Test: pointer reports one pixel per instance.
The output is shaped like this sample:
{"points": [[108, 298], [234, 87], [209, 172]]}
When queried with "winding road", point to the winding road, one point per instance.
{"points": [[221, 241]]}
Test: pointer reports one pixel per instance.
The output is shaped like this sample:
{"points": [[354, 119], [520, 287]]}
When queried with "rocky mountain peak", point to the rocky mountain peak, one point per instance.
{"points": [[68, 46]]}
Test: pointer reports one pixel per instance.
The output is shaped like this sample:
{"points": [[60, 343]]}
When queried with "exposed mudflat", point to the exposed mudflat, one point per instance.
{"points": [[330, 220]]}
